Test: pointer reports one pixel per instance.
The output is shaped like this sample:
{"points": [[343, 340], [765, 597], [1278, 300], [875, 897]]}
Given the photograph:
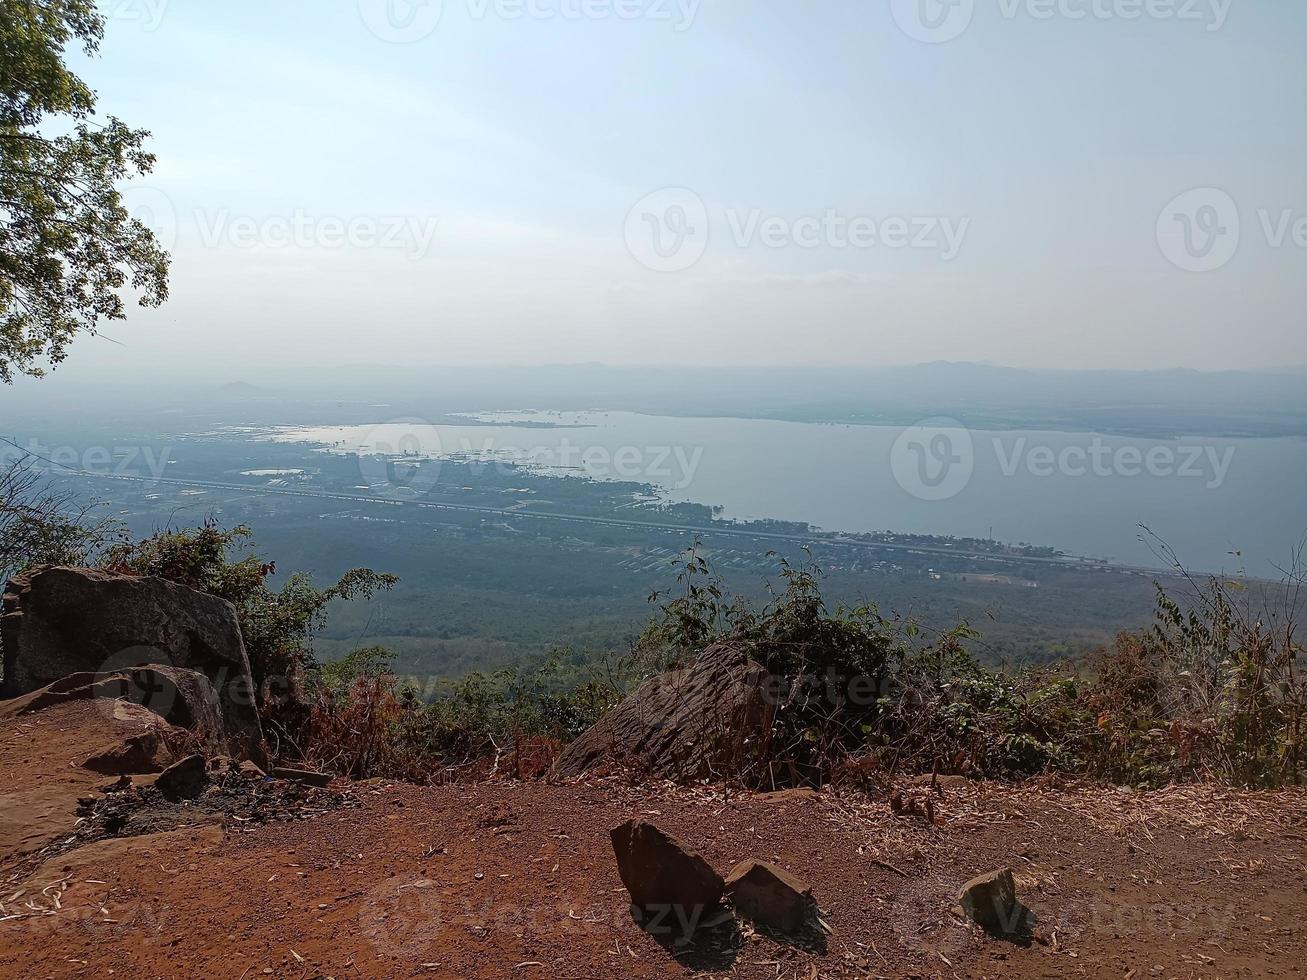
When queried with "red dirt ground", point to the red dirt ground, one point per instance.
{"points": [[518, 880]]}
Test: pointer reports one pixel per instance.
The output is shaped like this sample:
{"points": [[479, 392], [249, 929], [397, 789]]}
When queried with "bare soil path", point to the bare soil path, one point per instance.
{"points": [[518, 880]]}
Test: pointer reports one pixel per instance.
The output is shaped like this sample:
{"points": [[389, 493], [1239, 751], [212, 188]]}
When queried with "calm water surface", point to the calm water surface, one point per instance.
{"points": [[1081, 492]]}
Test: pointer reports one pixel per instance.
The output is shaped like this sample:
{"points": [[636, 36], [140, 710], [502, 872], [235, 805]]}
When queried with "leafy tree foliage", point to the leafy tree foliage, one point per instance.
{"points": [[43, 525], [278, 625], [67, 243]]}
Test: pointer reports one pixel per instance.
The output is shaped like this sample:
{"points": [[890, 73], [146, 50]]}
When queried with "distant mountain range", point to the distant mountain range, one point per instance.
{"points": [[1145, 403]]}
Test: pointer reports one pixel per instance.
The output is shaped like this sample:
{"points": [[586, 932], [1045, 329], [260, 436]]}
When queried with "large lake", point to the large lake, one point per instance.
{"points": [[1081, 492]]}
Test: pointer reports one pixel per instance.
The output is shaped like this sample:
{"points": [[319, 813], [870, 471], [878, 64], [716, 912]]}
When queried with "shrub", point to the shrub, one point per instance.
{"points": [[354, 716], [849, 683], [948, 713], [525, 714], [278, 626], [40, 525], [360, 718], [1213, 690]]}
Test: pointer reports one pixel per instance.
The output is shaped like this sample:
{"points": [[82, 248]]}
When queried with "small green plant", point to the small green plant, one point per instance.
{"points": [[692, 615]]}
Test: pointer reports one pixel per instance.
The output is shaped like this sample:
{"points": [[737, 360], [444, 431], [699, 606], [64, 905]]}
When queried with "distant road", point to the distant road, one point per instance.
{"points": [[827, 538]]}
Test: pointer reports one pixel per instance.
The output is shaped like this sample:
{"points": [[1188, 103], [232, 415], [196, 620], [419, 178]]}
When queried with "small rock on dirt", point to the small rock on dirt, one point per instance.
{"points": [[305, 776], [662, 874], [991, 901], [184, 780], [769, 895]]}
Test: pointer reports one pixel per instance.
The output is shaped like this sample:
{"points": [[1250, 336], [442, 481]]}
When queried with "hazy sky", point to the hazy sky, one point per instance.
{"points": [[356, 181]]}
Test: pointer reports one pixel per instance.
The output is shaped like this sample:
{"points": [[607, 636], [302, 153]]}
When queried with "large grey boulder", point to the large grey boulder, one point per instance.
{"points": [[58, 621], [706, 720]]}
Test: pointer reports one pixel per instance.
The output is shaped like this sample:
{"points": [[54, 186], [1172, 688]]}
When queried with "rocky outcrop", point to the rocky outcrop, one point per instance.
{"points": [[183, 698], [59, 621], [52, 759], [664, 877], [148, 751], [709, 719]]}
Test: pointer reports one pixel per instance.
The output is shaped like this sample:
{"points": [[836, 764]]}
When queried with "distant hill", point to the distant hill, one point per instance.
{"points": [[1144, 403], [1148, 404], [242, 389]]}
